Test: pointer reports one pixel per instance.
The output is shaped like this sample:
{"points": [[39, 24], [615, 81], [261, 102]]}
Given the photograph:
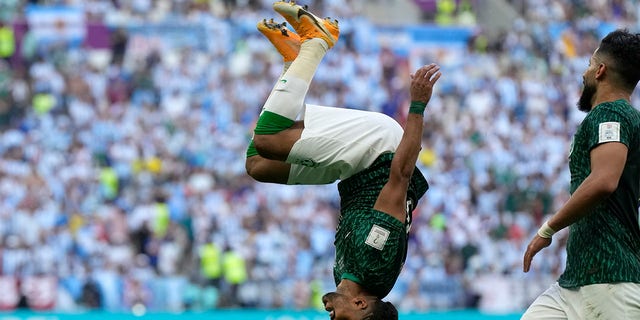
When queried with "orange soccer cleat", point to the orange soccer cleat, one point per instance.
{"points": [[286, 42], [306, 24]]}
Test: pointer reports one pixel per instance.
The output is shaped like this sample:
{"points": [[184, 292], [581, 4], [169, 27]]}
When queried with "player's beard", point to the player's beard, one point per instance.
{"points": [[584, 104]]}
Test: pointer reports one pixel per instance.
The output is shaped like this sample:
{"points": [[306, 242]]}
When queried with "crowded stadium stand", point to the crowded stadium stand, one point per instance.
{"points": [[124, 125]]}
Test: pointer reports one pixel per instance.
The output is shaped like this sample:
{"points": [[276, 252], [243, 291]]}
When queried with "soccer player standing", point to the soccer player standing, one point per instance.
{"points": [[370, 153], [602, 275]]}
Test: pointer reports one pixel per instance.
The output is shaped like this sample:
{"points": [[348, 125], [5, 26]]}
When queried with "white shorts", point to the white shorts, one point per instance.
{"points": [[607, 301], [336, 143]]}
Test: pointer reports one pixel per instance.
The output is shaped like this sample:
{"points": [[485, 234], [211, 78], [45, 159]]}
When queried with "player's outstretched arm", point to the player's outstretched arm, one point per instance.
{"points": [[392, 198], [607, 164]]}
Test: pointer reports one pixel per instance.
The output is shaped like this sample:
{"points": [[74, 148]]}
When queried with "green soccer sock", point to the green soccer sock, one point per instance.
{"points": [[270, 123]]}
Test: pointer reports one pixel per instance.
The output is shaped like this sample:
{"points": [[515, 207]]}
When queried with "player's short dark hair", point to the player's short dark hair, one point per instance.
{"points": [[382, 310], [621, 49]]}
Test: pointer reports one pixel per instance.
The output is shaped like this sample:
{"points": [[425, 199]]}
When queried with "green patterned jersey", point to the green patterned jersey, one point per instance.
{"points": [[371, 246], [604, 246]]}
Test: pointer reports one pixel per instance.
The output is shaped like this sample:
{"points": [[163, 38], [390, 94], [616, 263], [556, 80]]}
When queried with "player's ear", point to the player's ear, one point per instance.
{"points": [[602, 68], [360, 302]]}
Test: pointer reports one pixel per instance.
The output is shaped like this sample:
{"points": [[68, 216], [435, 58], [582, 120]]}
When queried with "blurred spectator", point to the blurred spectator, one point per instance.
{"points": [[7, 43], [234, 275], [90, 297], [211, 264]]}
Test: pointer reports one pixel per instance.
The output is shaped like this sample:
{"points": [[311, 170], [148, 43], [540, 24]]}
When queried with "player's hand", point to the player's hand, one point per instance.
{"points": [[422, 82], [537, 243]]}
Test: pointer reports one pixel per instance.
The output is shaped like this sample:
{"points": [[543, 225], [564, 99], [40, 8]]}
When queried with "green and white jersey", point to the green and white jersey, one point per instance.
{"points": [[604, 246], [371, 246]]}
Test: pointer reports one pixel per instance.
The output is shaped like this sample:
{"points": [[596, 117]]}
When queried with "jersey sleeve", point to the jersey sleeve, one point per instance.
{"points": [[605, 124]]}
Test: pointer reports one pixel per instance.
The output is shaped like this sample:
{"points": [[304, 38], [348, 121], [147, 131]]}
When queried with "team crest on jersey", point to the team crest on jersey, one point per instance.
{"points": [[608, 132], [377, 237], [307, 162]]}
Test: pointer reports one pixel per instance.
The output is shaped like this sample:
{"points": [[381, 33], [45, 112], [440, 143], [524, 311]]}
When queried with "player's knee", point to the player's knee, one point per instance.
{"points": [[254, 168], [249, 165]]}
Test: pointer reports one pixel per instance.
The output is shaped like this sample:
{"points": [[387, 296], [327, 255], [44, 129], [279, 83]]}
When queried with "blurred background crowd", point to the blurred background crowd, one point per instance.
{"points": [[124, 125]]}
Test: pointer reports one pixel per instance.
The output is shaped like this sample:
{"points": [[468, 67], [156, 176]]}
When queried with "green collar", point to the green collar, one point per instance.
{"points": [[350, 276]]}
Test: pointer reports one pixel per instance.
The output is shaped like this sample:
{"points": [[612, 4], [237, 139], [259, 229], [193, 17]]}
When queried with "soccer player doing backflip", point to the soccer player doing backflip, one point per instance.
{"points": [[371, 155]]}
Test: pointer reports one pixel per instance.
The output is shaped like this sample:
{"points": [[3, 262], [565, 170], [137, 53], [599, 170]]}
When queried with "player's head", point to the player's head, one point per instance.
{"points": [[617, 61], [344, 307]]}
